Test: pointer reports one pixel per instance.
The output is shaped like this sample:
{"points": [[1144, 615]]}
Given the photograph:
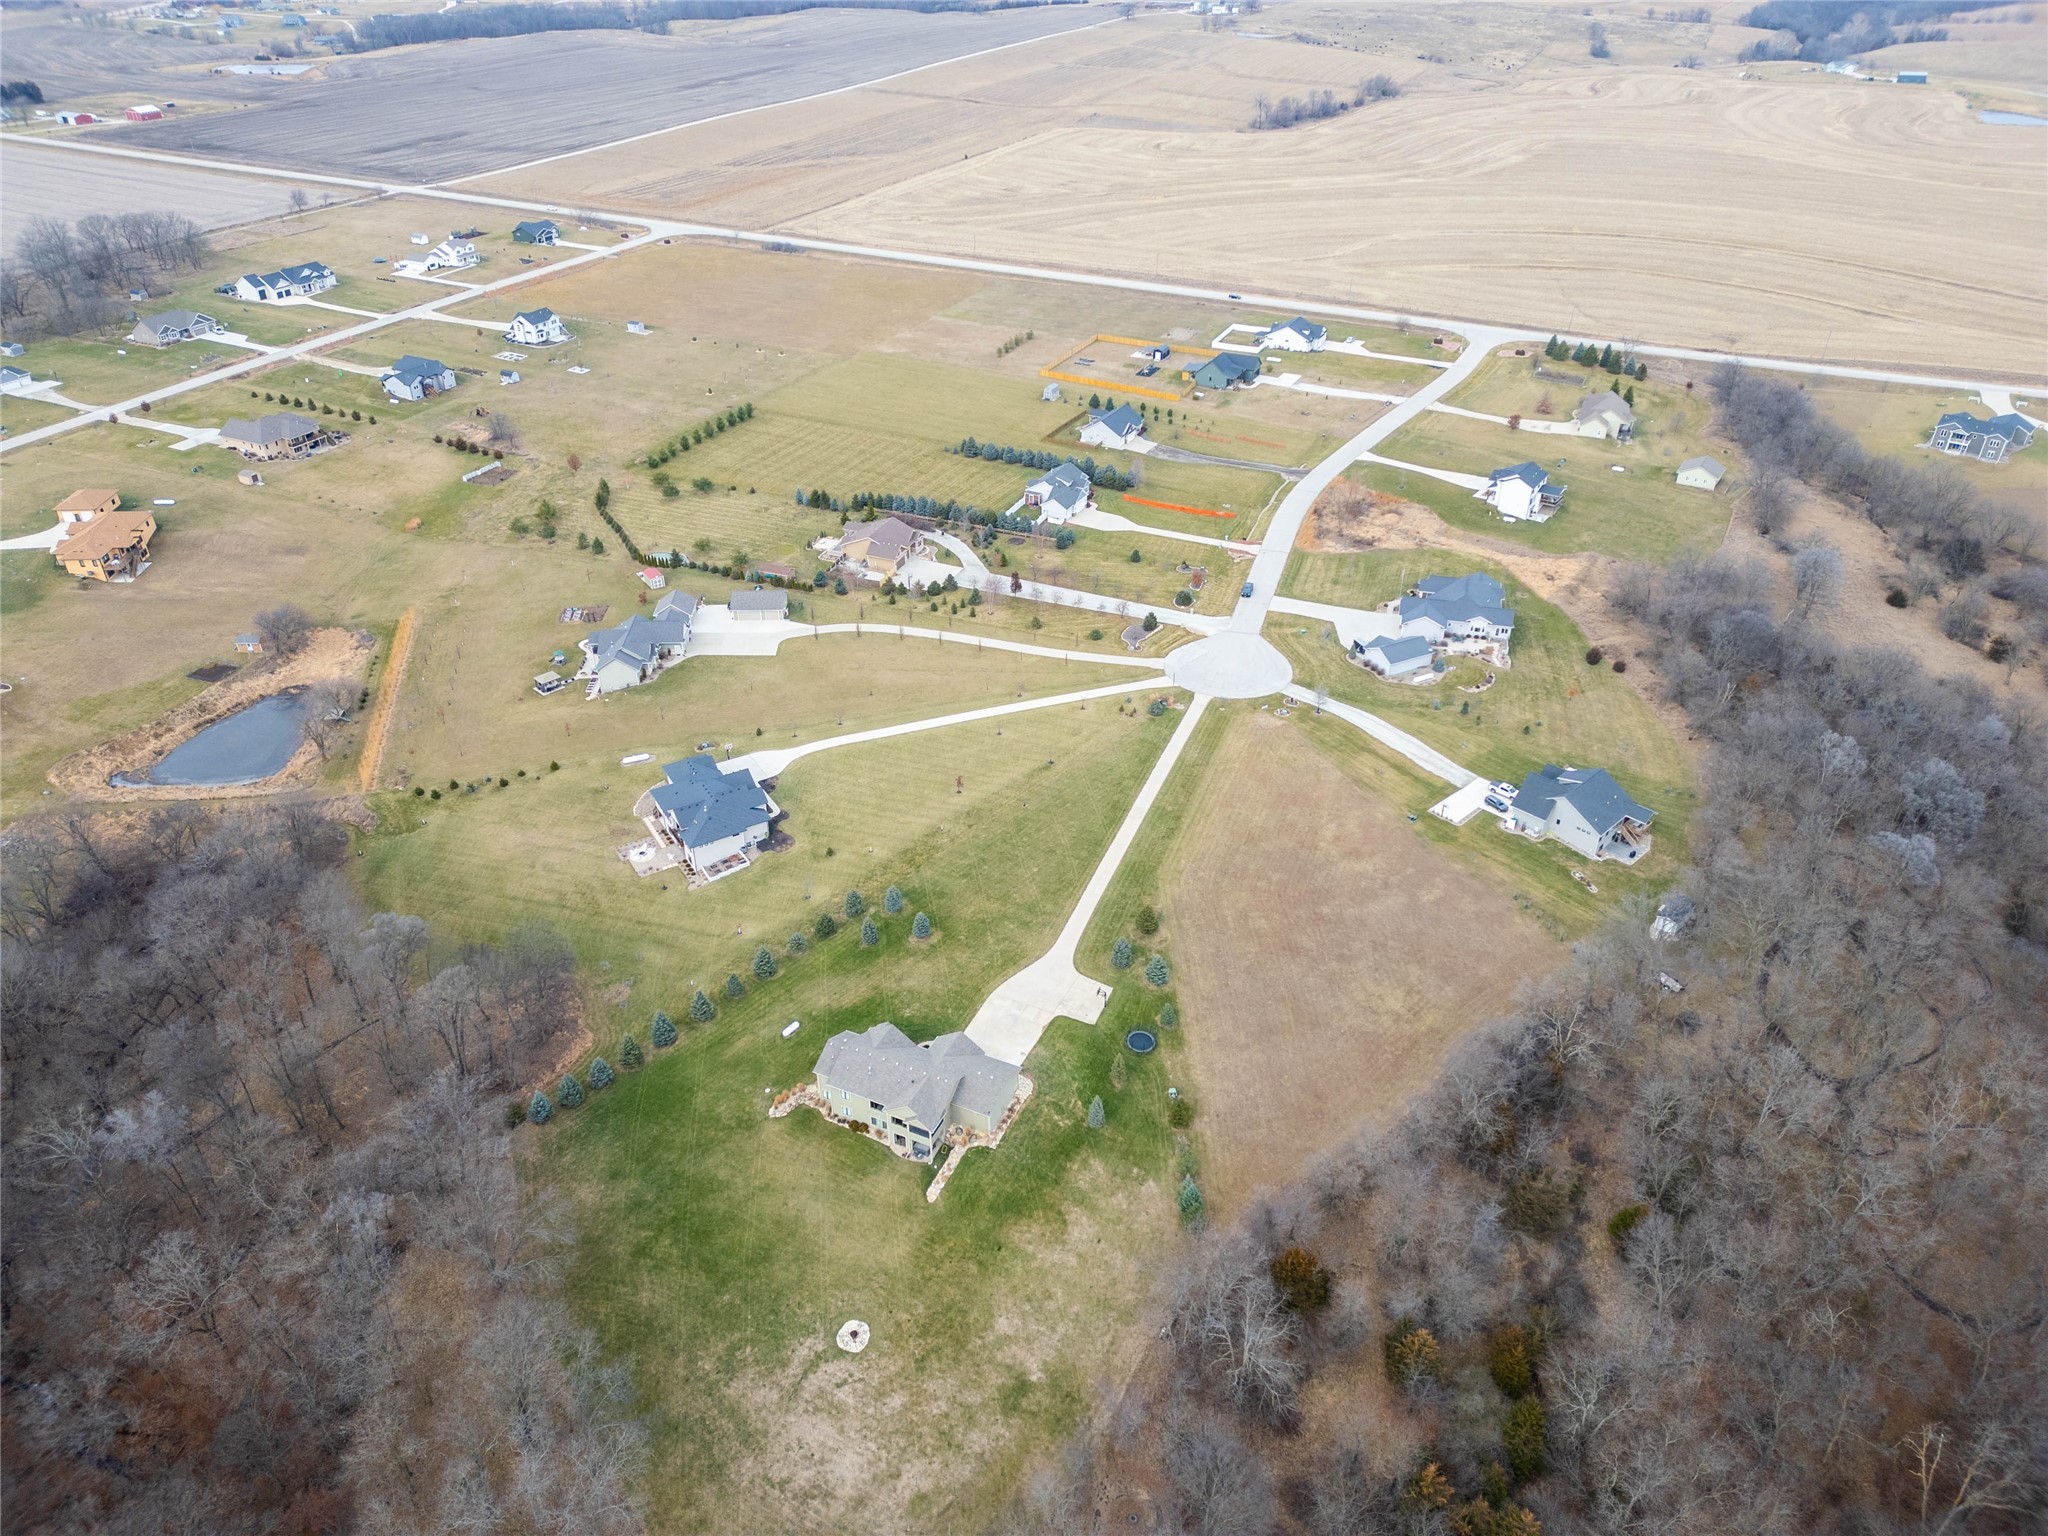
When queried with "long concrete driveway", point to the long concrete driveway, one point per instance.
{"points": [[1425, 757], [771, 761], [1009, 1023], [1249, 617], [1127, 609]]}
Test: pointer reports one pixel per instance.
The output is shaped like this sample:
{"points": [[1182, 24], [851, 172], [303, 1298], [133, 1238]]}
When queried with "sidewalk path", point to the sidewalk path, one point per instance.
{"points": [[1293, 381], [1113, 522], [1427, 758], [1126, 609], [1351, 624], [1010, 1022], [754, 638], [1448, 476], [770, 762], [1529, 423]]}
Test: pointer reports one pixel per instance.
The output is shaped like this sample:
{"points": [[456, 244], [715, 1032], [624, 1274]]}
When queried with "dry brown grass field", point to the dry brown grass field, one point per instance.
{"points": [[1517, 180], [1322, 987]]}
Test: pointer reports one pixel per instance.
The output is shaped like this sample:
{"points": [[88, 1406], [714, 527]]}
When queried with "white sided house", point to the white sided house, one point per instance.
{"points": [[1119, 428], [1464, 614], [451, 255], [295, 282], [537, 328], [1605, 415], [716, 815], [1060, 493], [417, 378], [1584, 809], [1297, 335], [913, 1097], [638, 650], [1522, 493]]}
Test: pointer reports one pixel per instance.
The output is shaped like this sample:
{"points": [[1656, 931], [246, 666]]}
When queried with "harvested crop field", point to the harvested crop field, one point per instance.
{"points": [[362, 118], [1741, 217], [1321, 991], [44, 182]]}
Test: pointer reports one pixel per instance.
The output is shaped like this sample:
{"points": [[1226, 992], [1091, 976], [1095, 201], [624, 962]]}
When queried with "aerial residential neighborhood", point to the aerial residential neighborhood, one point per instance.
{"points": [[1023, 768]]}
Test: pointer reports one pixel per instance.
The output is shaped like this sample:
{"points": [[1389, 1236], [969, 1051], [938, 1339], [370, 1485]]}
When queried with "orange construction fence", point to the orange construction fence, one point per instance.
{"points": [[1174, 506]]}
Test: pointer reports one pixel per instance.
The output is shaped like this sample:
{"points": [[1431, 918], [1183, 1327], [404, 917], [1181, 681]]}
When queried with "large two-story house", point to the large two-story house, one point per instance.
{"points": [[638, 650], [911, 1096], [1521, 493], [1584, 809]]}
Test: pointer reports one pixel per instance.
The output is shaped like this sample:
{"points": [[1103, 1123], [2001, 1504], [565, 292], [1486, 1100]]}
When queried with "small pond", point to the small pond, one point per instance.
{"points": [[254, 742], [2013, 119], [1141, 1041]]}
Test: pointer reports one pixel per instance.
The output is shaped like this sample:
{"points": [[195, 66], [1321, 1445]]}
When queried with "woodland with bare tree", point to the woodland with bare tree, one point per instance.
{"points": [[267, 1263], [1761, 1255]]}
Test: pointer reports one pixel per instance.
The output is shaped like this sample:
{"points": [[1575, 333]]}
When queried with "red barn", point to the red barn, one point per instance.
{"points": [[144, 114]]}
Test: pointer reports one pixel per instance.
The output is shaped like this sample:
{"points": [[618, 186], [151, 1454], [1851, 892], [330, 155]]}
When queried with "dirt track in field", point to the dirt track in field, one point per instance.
{"points": [[1327, 956]]}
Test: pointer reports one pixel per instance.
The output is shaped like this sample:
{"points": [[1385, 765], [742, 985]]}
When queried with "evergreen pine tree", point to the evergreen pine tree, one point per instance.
{"points": [[1629, 394], [854, 904], [734, 987], [1189, 1199], [892, 901], [570, 1094], [764, 963], [1169, 1016], [870, 935], [701, 1011], [1121, 954], [920, 927], [1642, 370], [1095, 1113], [798, 943], [600, 1074], [1156, 972], [663, 1031], [541, 1110], [1148, 920], [825, 926], [1118, 1072]]}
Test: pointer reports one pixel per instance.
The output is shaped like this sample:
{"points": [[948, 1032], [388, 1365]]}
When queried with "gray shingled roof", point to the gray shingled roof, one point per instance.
{"points": [[1066, 485], [889, 536], [1529, 472], [709, 803], [758, 600], [925, 1081], [1398, 647], [1474, 586], [277, 427], [1122, 421], [1706, 461], [1605, 403], [636, 641], [1590, 791], [1305, 326]]}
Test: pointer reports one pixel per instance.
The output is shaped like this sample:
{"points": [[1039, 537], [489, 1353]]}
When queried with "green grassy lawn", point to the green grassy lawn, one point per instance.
{"points": [[1413, 342], [1642, 514], [95, 370], [18, 415], [1575, 713], [722, 1249], [1341, 370], [1536, 875]]}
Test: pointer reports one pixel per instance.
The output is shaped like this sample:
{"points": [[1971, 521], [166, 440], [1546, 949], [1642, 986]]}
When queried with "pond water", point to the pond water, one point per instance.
{"points": [[2013, 119], [253, 743]]}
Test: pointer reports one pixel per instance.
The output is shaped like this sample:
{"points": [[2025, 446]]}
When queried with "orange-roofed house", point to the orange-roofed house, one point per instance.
{"points": [[113, 546], [84, 506]]}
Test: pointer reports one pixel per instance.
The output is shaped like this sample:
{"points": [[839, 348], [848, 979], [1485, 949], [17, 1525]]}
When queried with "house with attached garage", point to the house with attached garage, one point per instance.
{"points": [[1060, 493], [879, 549], [638, 650], [1605, 415], [111, 546], [914, 1097], [1584, 809], [535, 232], [174, 326], [1296, 335], [716, 814], [1965, 436], [295, 282], [1395, 655], [1521, 493], [537, 328], [84, 506], [417, 378], [16, 381], [279, 435], [1460, 613], [1226, 370], [1118, 428], [1702, 473]]}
